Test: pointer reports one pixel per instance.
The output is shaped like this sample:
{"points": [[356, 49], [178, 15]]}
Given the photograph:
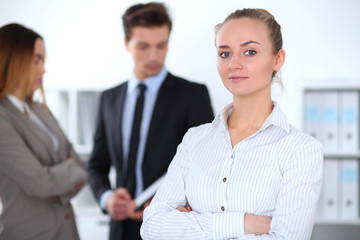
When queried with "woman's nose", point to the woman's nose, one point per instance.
{"points": [[235, 62]]}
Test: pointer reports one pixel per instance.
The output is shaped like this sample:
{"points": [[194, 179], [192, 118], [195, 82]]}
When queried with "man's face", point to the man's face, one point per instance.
{"points": [[148, 47]]}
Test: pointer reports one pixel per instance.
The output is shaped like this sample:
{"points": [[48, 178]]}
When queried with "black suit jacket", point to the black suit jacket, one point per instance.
{"points": [[180, 105]]}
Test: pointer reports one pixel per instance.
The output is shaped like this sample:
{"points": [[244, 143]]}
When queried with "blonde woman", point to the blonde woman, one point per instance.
{"points": [[249, 174]]}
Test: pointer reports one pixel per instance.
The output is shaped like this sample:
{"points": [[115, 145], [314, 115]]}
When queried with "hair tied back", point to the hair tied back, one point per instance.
{"points": [[266, 12]]}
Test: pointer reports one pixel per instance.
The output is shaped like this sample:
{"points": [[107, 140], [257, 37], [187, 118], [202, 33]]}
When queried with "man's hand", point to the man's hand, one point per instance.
{"points": [[256, 224], [117, 204], [139, 214], [131, 212]]}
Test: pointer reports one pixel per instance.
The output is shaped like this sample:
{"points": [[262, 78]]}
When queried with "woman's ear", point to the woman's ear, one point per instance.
{"points": [[280, 59]]}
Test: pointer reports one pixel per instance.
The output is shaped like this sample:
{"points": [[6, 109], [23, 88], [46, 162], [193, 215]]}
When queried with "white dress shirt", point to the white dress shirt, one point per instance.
{"points": [[153, 85], [276, 172]]}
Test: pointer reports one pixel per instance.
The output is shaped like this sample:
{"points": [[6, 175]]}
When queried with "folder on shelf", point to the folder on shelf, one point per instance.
{"points": [[87, 107], [58, 103], [349, 120], [320, 206], [349, 189], [312, 114], [330, 121], [329, 204]]}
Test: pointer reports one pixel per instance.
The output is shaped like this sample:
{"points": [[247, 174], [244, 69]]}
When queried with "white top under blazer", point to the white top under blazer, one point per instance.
{"points": [[276, 172]]}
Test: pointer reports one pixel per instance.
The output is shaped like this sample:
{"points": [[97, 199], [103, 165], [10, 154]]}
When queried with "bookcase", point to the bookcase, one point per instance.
{"points": [[331, 115], [75, 109]]}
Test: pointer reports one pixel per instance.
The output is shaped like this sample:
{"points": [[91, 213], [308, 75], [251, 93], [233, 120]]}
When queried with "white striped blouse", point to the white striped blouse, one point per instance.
{"points": [[276, 172]]}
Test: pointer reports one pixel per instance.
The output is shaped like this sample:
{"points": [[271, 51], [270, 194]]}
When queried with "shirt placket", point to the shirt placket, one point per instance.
{"points": [[224, 180]]}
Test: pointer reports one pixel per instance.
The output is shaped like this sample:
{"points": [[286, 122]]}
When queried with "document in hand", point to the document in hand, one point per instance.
{"points": [[148, 193]]}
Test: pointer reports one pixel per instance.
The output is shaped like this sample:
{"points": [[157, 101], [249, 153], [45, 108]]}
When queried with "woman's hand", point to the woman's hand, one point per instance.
{"points": [[54, 199], [184, 209], [256, 224]]}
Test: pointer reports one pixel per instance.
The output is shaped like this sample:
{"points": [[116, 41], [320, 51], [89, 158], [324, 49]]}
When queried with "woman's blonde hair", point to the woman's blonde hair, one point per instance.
{"points": [[17, 60]]}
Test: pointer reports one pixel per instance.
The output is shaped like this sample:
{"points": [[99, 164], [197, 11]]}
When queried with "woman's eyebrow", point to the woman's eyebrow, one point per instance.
{"points": [[247, 43]]}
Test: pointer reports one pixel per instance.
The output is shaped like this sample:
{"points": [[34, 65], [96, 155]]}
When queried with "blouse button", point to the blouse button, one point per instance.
{"points": [[224, 179], [222, 208]]}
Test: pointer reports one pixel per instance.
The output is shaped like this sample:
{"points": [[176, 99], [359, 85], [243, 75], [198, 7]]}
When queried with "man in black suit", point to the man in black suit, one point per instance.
{"points": [[141, 122]]}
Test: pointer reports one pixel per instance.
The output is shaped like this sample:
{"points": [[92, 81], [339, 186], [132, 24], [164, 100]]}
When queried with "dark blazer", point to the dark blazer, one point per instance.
{"points": [[32, 172], [180, 105]]}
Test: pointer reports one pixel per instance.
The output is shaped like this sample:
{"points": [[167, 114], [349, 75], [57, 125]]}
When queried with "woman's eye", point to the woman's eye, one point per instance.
{"points": [[224, 55], [250, 53]]}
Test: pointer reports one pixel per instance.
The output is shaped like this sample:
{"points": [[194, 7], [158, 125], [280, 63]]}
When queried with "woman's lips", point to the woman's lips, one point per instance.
{"points": [[237, 78]]}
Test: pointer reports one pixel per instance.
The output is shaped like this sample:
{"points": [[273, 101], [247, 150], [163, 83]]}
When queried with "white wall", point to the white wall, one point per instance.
{"points": [[84, 41]]}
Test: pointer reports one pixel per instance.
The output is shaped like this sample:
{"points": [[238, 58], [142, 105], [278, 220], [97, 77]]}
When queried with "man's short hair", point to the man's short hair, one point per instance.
{"points": [[149, 15]]}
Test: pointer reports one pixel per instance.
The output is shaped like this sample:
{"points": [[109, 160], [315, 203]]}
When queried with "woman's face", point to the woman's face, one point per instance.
{"points": [[245, 58], [38, 61]]}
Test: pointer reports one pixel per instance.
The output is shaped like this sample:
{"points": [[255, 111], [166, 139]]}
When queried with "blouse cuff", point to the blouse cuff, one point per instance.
{"points": [[228, 225]]}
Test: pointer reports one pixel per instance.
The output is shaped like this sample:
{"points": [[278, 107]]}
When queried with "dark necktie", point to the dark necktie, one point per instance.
{"points": [[134, 141]]}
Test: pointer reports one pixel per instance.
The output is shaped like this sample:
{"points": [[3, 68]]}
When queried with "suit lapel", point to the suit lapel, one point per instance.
{"points": [[33, 128], [46, 118], [162, 107], [49, 122], [117, 124]]}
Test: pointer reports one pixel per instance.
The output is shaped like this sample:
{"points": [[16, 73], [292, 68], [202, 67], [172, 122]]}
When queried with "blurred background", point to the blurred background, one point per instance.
{"points": [[85, 50], [84, 41]]}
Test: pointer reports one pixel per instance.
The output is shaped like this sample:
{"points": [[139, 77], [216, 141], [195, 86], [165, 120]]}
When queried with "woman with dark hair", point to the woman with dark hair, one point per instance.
{"points": [[249, 174], [39, 170]]}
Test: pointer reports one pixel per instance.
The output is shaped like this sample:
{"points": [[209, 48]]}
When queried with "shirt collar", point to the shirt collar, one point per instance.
{"points": [[224, 115], [276, 117], [152, 83], [17, 103]]}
